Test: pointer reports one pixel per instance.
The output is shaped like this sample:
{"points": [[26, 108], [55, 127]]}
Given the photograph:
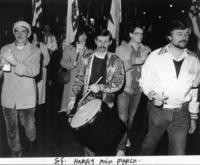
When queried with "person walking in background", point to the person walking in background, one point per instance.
{"points": [[70, 61], [49, 39], [20, 63], [51, 42], [44, 61], [133, 55], [170, 77]]}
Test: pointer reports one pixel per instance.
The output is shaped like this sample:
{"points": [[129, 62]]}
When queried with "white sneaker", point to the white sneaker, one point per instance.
{"points": [[128, 143], [120, 153]]}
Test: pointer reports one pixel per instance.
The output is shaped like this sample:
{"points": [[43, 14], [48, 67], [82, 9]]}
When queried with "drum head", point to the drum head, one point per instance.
{"points": [[85, 113]]}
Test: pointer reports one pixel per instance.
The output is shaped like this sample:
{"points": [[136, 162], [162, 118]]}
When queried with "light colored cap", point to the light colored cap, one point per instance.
{"points": [[22, 24]]}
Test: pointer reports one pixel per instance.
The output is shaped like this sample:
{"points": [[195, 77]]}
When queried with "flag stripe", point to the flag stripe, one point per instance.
{"points": [[37, 13]]}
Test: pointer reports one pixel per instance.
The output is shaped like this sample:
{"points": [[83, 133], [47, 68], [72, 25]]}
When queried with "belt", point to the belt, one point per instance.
{"points": [[183, 107], [173, 110]]}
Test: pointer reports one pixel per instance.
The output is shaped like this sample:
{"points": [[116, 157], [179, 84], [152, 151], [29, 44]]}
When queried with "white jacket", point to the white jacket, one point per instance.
{"points": [[159, 74]]}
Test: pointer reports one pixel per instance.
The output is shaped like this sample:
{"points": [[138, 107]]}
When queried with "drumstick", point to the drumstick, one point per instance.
{"points": [[64, 109], [87, 93], [77, 57]]}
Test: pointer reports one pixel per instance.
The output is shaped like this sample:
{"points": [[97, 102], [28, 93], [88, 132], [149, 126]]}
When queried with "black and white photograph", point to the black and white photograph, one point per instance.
{"points": [[115, 80]]}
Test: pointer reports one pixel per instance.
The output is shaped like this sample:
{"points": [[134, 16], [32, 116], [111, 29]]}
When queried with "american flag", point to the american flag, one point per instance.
{"points": [[115, 18], [72, 20], [37, 20]]}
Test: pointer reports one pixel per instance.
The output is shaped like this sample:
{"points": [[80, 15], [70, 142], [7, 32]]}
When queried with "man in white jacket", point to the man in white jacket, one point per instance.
{"points": [[20, 63], [169, 78]]}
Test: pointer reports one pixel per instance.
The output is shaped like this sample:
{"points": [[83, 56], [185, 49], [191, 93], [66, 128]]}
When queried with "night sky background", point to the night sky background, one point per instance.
{"points": [[153, 14]]}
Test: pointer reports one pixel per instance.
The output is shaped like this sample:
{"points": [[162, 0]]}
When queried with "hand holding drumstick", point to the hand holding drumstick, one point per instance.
{"points": [[94, 88]]}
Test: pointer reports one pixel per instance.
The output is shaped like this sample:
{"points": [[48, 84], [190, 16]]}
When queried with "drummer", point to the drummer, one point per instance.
{"points": [[101, 72]]}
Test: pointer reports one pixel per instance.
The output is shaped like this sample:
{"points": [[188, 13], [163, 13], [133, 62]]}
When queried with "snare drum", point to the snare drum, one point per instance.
{"points": [[98, 127]]}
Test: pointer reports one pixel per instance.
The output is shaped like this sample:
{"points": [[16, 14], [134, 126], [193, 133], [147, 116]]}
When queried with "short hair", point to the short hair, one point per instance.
{"points": [[177, 25], [132, 28], [104, 33]]}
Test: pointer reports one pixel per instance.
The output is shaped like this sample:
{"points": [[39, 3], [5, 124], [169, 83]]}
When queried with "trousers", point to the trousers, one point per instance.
{"points": [[175, 122], [27, 120]]}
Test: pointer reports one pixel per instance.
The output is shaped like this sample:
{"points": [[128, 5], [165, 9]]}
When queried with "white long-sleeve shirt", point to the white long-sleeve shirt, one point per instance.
{"points": [[159, 75]]}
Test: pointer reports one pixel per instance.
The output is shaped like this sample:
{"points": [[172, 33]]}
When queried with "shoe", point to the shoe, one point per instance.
{"points": [[120, 153], [17, 153], [32, 146], [128, 143]]}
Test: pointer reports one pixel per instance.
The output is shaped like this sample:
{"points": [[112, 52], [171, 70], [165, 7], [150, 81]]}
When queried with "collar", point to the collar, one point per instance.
{"points": [[102, 56], [21, 48], [77, 50], [133, 45], [165, 50], [181, 57]]}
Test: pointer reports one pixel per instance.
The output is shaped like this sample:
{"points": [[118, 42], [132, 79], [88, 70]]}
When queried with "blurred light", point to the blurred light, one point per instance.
{"points": [[144, 12], [182, 11], [91, 19], [170, 5], [159, 17]]}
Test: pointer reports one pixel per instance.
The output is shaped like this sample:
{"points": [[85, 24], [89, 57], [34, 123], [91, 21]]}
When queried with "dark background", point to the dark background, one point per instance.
{"points": [[153, 14]]}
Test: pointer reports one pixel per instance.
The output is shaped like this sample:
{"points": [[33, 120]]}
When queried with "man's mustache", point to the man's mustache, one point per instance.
{"points": [[102, 47], [183, 41], [19, 37]]}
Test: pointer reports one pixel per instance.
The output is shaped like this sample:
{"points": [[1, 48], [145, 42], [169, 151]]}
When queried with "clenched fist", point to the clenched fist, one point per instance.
{"points": [[94, 88]]}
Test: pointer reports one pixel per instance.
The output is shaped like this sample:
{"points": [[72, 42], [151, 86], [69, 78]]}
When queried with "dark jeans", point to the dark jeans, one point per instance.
{"points": [[27, 119], [177, 124]]}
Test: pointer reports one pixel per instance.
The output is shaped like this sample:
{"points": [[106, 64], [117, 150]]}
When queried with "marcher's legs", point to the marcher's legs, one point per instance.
{"points": [[65, 96], [134, 102], [27, 120], [178, 131], [88, 152], [123, 105], [12, 129], [157, 125]]}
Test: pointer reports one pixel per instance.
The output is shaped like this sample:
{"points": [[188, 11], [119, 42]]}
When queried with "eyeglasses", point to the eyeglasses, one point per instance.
{"points": [[137, 33]]}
